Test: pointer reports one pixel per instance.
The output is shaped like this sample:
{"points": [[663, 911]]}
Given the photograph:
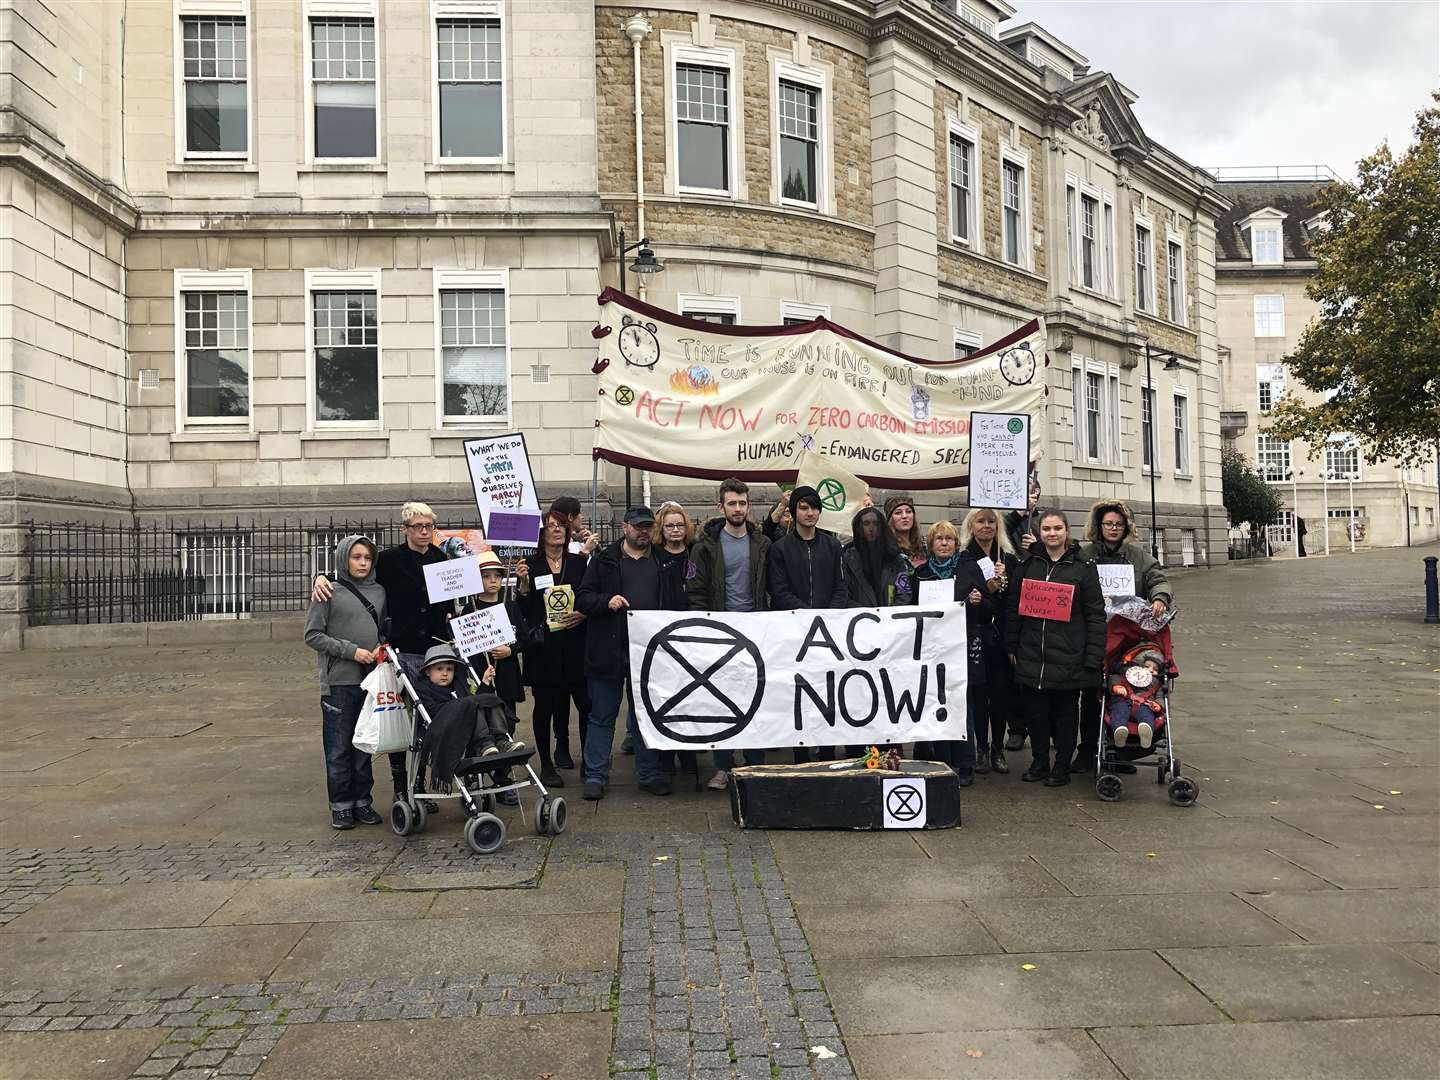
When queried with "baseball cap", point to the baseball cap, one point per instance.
{"points": [[639, 515]]}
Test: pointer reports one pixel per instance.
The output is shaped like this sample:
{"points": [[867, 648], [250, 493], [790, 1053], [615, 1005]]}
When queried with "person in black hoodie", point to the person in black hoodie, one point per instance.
{"points": [[945, 564], [981, 537], [1054, 659], [627, 574], [805, 571], [555, 666], [876, 574]]}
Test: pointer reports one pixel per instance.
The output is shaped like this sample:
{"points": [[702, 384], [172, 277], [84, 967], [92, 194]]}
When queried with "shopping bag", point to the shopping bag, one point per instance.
{"points": [[383, 726]]}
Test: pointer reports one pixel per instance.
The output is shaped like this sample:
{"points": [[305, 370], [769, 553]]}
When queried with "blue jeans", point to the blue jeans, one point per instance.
{"points": [[725, 759], [605, 698], [347, 770]]}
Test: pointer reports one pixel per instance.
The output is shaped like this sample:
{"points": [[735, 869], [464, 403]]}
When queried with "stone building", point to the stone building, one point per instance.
{"points": [[1263, 265], [273, 259]]}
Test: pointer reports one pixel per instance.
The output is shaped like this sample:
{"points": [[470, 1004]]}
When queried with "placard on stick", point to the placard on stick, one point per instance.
{"points": [[999, 460], [1046, 599], [504, 489], [480, 631]]}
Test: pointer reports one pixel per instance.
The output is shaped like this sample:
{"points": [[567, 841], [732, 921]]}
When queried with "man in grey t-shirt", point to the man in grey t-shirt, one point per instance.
{"points": [[728, 565]]}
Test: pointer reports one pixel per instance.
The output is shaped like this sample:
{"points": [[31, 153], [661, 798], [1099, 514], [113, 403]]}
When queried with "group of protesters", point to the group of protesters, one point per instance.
{"points": [[1029, 679]]}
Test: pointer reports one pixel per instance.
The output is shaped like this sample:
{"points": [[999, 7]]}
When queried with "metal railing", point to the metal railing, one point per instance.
{"points": [[82, 572]]}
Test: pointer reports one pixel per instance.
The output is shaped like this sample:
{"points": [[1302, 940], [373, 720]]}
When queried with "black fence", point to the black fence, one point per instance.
{"points": [[163, 571]]}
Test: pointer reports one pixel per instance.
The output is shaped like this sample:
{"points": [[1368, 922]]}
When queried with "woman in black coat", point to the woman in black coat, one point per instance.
{"points": [[945, 564], [1055, 659], [555, 668], [983, 537]]}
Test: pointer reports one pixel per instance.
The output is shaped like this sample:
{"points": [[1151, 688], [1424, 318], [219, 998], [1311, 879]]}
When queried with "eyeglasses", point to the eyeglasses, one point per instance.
{"points": [[1112, 524], [427, 526], [674, 525]]}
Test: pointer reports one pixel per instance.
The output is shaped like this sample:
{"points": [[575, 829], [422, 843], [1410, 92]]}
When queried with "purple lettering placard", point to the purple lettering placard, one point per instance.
{"points": [[512, 528]]}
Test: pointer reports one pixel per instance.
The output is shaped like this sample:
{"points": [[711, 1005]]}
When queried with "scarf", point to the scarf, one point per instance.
{"points": [[943, 569]]}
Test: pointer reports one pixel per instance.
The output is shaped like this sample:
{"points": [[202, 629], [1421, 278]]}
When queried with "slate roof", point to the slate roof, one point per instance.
{"points": [[1294, 198]]}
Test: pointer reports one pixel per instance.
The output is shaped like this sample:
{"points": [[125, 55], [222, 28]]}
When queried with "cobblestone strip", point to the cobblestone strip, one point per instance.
{"points": [[223, 1031], [31, 875], [716, 978]]}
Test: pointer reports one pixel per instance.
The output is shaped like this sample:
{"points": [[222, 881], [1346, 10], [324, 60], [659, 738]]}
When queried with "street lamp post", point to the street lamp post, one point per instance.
{"points": [[645, 263], [1172, 362]]}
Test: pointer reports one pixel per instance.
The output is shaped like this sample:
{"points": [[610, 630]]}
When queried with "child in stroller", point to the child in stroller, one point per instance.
{"points": [[460, 724], [1136, 688]]}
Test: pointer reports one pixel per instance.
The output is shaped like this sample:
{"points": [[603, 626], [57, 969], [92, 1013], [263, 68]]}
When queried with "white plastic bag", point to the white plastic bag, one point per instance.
{"points": [[383, 726]]}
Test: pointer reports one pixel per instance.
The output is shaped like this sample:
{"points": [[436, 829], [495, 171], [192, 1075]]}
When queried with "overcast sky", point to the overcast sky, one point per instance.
{"points": [[1260, 82]]}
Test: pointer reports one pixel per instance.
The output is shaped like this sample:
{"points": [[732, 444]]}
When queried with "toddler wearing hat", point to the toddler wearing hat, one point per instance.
{"points": [[1136, 704], [460, 722]]}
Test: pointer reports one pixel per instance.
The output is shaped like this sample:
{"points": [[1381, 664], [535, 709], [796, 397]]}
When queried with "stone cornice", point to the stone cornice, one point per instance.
{"points": [[330, 222], [69, 178]]}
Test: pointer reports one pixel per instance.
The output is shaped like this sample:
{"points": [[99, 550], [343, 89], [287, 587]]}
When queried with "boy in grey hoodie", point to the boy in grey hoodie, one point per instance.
{"points": [[346, 634]]}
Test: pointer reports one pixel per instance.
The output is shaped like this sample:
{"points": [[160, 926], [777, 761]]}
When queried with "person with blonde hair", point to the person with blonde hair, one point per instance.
{"points": [[983, 536], [944, 564]]}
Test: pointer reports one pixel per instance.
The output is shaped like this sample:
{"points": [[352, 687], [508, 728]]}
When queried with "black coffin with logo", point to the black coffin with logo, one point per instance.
{"points": [[818, 795]]}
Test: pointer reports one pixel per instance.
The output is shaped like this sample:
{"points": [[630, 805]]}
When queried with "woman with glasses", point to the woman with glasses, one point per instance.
{"points": [[1111, 536]]}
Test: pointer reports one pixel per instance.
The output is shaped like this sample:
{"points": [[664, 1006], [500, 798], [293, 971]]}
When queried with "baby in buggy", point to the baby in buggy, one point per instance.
{"points": [[1136, 689], [461, 724]]}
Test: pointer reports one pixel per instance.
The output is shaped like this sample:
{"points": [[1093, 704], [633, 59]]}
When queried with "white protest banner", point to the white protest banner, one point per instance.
{"points": [[999, 460], [937, 591], [879, 676], [1117, 579], [451, 578], [691, 398], [480, 631], [841, 492], [504, 490]]}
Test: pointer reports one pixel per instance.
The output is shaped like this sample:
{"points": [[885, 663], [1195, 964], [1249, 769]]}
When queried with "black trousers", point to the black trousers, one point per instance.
{"points": [[1051, 716], [551, 715], [995, 706]]}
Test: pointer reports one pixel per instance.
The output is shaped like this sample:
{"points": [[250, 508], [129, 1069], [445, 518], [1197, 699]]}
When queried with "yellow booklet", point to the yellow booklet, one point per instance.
{"points": [[559, 602]]}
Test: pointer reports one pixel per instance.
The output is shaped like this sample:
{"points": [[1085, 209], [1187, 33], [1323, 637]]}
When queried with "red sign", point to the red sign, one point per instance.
{"points": [[1046, 599]]}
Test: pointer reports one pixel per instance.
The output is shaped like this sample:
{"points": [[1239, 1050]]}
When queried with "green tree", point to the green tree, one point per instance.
{"points": [[1248, 498], [1374, 350]]}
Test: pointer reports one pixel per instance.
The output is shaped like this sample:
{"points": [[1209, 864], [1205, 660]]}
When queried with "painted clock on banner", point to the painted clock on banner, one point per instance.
{"points": [[1018, 365], [638, 344]]}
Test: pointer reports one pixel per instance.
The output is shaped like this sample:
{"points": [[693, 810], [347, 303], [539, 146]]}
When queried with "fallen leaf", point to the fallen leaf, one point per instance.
{"points": [[1393, 792], [1379, 806], [1027, 967], [975, 1053]]}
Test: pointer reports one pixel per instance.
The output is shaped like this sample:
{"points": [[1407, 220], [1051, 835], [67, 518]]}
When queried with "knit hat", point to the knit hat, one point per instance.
{"points": [[438, 654], [804, 493], [1153, 655], [894, 502]]}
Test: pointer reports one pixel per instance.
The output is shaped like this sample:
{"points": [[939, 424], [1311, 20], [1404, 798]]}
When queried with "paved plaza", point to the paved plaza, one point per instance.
{"points": [[174, 904]]}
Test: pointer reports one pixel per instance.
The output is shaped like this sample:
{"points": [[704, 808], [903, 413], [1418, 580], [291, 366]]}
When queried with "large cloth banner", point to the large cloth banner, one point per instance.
{"points": [[875, 676], [690, 398]]}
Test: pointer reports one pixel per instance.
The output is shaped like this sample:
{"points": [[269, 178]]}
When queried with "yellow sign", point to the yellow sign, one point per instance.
{"points": [[559, 603]]}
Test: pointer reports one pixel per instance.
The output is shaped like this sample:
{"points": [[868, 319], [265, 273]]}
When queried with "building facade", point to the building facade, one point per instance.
{"points": [[1263, 266], [273, 258]]}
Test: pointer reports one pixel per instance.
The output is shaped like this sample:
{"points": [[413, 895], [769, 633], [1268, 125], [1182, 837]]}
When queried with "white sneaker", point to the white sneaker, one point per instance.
{"points": [[720, 781], [1147, 735], [1121, 735]]}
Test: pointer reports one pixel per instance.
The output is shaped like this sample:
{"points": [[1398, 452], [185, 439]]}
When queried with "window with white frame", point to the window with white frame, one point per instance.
{"points": [[473, 354], [1014, 228], [974, 18], [1270, 385], [1182, 433], [1089, 223], [1345, 513], [213, 370], [1272, 457], [1108, 238], [963, 169], [1144, 271], [1147, 427], [1269, 316], [967, 343], [1342, 461], [1281, 532], [702, 127], [1072, 243], [345, 88], [794, 313], [798, 110], [214, 67], [1175, 278], [344, 310], [1096, 391], [1265, 244], [721, 310], [470, 83]]}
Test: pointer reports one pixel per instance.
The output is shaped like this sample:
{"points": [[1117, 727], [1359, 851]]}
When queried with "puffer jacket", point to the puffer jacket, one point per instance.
{"points": [[1150, 580], [1053, 655], [705, 588]]}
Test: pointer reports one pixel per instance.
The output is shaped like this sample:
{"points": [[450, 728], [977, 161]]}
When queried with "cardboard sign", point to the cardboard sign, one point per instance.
{"points": [[1117, 580], [451, 578], [559, 603], [999, 460], [482, 630], [986, 565], [904, 803], [938, 592], [504, 489], [1046, 599], [877, 676]]}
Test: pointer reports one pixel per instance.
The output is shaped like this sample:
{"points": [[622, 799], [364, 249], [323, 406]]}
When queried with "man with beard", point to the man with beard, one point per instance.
{"points": [[625, 575]]}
